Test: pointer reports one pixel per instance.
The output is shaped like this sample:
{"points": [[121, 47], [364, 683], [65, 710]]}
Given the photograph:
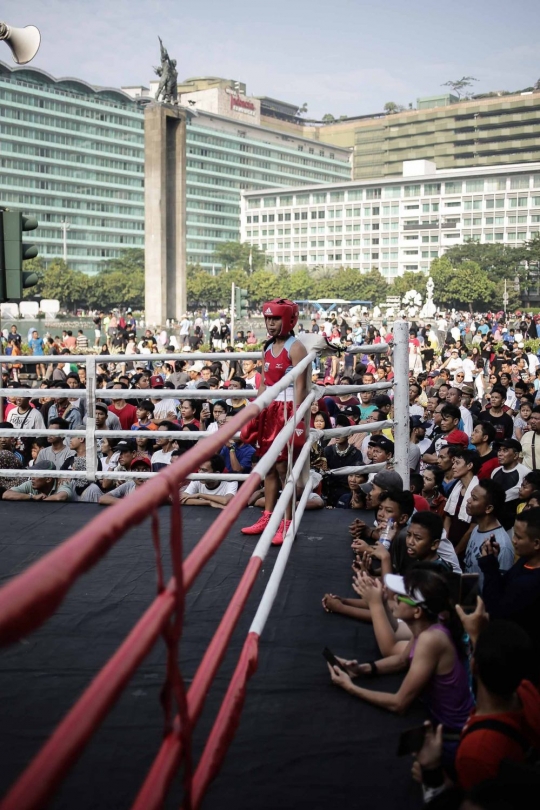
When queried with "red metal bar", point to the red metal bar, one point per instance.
{"points": [[227, 721], [154, 790], [38, 782], [31, 598]]}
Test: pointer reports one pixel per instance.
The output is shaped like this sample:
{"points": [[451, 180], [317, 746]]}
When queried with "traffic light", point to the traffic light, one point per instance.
{"points": [[13, 252], [240, 302]]}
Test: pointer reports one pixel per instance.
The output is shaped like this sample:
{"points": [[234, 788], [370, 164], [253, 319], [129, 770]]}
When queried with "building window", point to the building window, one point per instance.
{"points": [[373, 193], [495, 184], [519, 182], [453, 187], [432, 188], [337, 196], [354, 195], [474, 185], [392, 192], [412, 191]]}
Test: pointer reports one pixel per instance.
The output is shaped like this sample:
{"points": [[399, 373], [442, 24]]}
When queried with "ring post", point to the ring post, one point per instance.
{"points": [[401, 400]]}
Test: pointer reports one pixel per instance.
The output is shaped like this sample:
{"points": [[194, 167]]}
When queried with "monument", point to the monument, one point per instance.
{"points": [[429, 309], [165, 199]]}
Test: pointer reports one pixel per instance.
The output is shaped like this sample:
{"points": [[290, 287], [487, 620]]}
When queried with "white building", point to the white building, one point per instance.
{"points": [[394, 223]]}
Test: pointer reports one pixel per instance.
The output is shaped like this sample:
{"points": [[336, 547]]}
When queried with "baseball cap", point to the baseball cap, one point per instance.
{"points": [[383, 442], [396, 584], [385, 480], [458, 437], [418, 422], [352, 411], [512, 444], [101, 407], [125, 445], [42, 465], [329, 380], [140, 460], [156, 381]]}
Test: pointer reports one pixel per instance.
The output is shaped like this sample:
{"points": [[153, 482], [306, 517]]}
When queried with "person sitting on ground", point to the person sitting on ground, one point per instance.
{"points": [[165, 446], [485, 506], [137, 465], [237, 404], [210, 493], [382, 450], [190, 411], [237, 455], [435, 659], [77, 463], [506, 722], [41, 487], [57, 452], [66, 409], [355, 498], [340, 454]]}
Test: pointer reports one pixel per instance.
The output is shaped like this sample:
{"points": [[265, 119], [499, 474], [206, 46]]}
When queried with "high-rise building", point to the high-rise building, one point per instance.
{"points": [[72, 156], [397, 223]]}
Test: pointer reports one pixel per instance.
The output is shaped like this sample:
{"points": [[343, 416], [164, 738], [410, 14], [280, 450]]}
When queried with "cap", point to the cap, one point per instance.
{"points": [[383, 442], [385, 480], [468, 390], [434, 373], [512, 444], [156, 381], [418, 422], [396, 584], [352, 411], [126, 445], [101, 407], [140, 460], [328, 380], [42, 465], [458, 437]]}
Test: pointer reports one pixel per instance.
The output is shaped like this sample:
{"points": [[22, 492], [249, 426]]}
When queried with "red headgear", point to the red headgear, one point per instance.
{"points": [[286, 310]]}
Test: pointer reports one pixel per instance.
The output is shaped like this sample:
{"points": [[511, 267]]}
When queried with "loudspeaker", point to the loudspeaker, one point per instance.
{"points": [[24, 42]]}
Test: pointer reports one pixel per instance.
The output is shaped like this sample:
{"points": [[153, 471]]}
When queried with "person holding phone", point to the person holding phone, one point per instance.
{"points": [[484, 505], [435, 658]]}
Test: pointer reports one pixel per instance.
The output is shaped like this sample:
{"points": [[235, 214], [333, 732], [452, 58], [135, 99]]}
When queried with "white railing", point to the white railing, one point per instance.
{"points": [[91, 394]]}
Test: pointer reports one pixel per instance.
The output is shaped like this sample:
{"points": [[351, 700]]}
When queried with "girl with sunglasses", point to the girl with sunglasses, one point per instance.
{"points": [[435, 659]]}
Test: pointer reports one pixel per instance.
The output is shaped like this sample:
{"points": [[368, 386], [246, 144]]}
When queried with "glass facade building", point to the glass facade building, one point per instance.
{"points": [[73, 153], [397, 223]]}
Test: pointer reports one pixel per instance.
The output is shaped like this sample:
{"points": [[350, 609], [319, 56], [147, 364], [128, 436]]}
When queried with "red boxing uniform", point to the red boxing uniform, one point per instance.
{"points": [[273, 418]]}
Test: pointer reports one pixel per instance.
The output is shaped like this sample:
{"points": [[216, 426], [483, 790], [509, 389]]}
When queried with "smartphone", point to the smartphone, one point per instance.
{"points": [[411, 741], [468, 592], [331, 658]]}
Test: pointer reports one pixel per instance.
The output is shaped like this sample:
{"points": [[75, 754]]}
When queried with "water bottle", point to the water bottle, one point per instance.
{"points": [[385, 538]]}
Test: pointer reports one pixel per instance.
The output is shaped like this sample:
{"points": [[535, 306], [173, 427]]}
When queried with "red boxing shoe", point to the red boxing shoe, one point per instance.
{"points": [[260, 526], [281, 532]]}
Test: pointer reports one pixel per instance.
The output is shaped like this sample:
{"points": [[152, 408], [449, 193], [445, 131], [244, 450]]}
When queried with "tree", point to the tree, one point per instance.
{"points": [[263, 285], [119, 282], [460, 85], [465, 285], [236, 255], [301, 284], [375, 288], [58, 281], [328, 118], [37, 266], [391, 107], [409, 281], [303, 109], [498, 261]]}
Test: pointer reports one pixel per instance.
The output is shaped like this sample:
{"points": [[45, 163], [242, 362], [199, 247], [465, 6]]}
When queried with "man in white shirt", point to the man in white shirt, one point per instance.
{"points": [[162, 457], [210, 493], [532, 360], [453, 397], [23, 417]]}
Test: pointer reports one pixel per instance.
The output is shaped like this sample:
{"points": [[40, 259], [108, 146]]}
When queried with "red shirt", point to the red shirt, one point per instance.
{"points": [[127, 415], [275, 368]]}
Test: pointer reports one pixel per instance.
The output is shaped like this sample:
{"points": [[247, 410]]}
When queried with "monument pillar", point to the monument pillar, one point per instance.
{"points": [[165, 212]]}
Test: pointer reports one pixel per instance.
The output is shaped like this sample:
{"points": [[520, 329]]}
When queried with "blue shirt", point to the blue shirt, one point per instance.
{"points": [[244, 454], [473, 554], [36, 344]]}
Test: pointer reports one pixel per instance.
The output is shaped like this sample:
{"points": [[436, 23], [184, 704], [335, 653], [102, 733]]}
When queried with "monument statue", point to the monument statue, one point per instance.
{"points": [[429, 309], [168, 77]]}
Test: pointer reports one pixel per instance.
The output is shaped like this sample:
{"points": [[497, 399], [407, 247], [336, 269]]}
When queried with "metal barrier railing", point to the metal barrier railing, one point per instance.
{"points": [[92, 395]]}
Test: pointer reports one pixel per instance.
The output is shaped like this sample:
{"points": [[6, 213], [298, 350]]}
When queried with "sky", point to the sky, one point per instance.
{"points": [[344, 57]]}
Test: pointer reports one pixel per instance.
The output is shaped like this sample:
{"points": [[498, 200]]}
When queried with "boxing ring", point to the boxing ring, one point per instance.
{"points": [[33, 597]]}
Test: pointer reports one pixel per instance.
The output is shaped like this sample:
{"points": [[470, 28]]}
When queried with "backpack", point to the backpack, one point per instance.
{"points": [[531, 756]]}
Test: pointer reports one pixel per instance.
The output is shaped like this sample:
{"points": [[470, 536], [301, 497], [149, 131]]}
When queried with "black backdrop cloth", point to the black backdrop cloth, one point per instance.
{"points": [[302, 743]]}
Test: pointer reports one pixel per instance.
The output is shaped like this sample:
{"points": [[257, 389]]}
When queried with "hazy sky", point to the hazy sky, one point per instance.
{"points": [[345, 57]]}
